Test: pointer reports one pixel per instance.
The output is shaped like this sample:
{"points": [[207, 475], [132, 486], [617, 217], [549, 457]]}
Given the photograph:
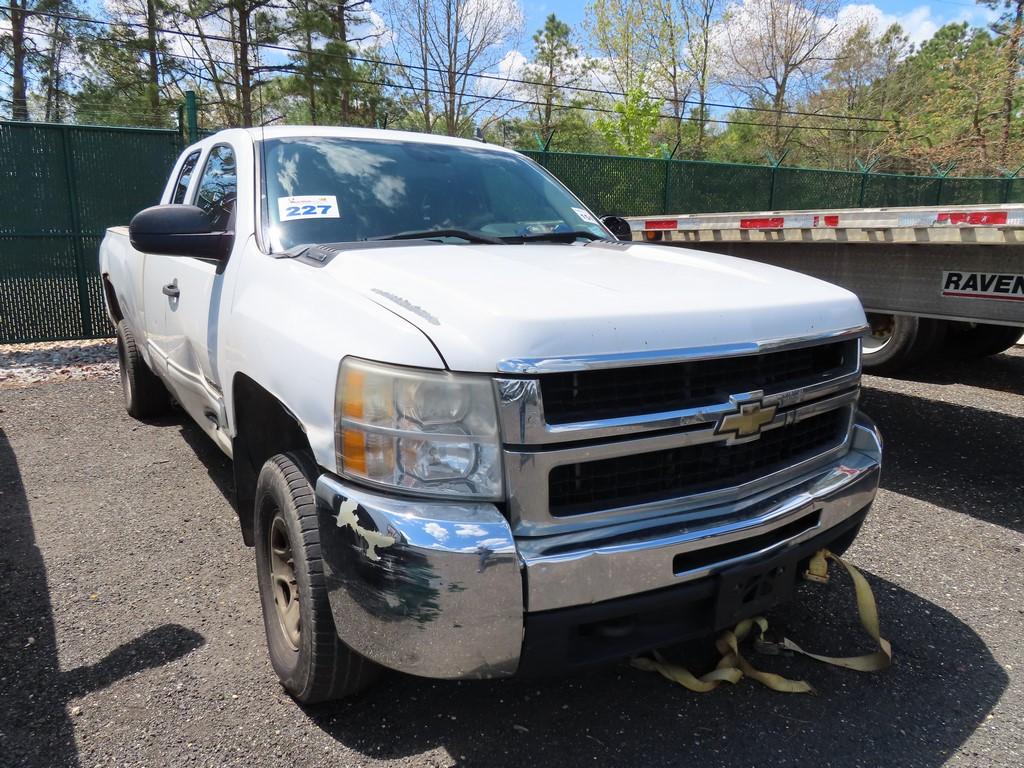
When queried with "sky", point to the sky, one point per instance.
{"points": [[919, 20]]}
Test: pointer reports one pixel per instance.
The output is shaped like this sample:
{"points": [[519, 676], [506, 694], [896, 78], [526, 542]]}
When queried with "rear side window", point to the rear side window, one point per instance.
{"points": [[218, 187], [184, 177]]}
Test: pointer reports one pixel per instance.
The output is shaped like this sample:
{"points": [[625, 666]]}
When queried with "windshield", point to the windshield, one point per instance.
{"points": [[330, 190]]}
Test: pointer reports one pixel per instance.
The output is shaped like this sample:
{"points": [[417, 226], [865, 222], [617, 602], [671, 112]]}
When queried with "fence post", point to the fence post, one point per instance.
{"points": [[192, 116], [85, 307], [1008, 181], [865, 169], [942, 174], [668, 174], [775, 167]]}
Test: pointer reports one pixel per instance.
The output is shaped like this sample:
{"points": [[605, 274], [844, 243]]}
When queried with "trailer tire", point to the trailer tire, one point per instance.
{"points": [[309, 659], [899, 341], [970, 341], [145, 396]]}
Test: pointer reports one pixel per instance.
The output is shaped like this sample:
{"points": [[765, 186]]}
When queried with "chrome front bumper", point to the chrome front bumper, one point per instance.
{"points": [[442, 589]]}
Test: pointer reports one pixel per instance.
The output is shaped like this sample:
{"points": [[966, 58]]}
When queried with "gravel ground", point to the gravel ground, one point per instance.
{"points": [[133, 634], [22, 365]]}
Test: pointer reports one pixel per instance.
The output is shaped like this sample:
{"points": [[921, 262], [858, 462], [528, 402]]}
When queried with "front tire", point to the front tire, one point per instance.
{"points": [[311, 662], [144, 394]]}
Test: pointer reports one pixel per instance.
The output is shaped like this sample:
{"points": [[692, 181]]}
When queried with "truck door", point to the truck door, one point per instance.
{"points": [[188, 292]]}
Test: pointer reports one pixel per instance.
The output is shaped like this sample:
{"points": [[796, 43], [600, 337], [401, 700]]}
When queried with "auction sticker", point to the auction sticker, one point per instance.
{"points": [[585, 215], [308, 207], [983, 285]]}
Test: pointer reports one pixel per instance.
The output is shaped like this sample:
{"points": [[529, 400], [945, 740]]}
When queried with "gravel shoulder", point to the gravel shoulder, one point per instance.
{"points": [[23, 365], [134, 638]]}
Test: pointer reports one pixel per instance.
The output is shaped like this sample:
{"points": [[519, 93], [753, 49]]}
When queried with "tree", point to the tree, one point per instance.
{"points": [[862, 81], [775, 50], [441, 45], [617, 31], [63, 36], [326, 33], [128, 69], [954, 114], [665, 29], [556, 64], [224, 38], [16, 46], [699, 18], [635, 118], [1010, 27]]}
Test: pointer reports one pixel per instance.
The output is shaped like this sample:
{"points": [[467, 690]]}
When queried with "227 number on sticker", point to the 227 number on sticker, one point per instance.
{"points": [[294, 211], [308, 207]]}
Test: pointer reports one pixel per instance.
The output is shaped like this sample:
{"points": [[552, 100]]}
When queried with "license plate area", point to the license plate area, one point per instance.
{"points": [[748, 590]]}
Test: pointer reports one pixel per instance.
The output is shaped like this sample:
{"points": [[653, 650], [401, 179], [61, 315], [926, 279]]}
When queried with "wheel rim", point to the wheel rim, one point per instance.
{"points": [[126, 381], [882, 327], [282, 579]]}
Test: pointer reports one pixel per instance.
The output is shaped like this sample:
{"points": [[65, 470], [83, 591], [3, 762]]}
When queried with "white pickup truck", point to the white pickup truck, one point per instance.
{"points": [[473, 434]]}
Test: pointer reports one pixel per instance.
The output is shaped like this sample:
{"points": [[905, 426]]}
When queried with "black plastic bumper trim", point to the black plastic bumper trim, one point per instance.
{"points": [[571, 638]]}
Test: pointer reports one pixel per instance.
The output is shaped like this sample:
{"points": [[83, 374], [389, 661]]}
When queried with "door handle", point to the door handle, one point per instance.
{"points": [[171, 289]]}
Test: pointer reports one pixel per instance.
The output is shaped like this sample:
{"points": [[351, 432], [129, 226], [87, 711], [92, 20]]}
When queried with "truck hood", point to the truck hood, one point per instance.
{"points": [[482, 304]]}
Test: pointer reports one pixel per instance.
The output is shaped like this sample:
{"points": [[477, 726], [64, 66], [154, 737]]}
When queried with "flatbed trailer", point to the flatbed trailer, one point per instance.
{"points": [[947, 278]]}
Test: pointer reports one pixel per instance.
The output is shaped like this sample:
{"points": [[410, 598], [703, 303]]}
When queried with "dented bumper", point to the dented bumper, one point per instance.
{"points": [[444, 590], [432, 589]]}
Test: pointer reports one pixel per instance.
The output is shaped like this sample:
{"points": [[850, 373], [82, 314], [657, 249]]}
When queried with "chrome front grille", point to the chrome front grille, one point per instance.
{"points": [[622, 392], [614, 441], [641, 478]]}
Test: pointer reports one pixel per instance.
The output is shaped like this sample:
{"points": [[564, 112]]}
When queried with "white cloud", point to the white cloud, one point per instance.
{"points": [[437, 531], [375, 30], [510, 66], [919, 23]]}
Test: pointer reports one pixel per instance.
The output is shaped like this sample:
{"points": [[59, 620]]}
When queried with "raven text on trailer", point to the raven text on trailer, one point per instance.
{"points": [[983, 285]]}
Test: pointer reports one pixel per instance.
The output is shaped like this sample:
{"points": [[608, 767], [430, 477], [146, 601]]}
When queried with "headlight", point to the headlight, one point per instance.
{"points": [[427, 432]]}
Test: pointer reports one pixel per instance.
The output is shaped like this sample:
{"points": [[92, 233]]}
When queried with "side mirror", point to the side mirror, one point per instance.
{"points": [[618, 227], [178, 230]]}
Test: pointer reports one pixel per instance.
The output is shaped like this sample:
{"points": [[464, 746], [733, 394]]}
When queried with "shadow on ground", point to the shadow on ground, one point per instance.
{"points": [[1003, 373], [944, 683], [35, 723], [960, 458], [942, 687]]}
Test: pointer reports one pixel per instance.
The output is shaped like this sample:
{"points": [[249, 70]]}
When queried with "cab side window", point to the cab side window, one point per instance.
{"points": [[184, 177], [218, 187]]}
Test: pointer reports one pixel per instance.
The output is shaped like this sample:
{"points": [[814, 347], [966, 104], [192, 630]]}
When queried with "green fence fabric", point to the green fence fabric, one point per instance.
{"points": [[62, 185], [630, 186]]}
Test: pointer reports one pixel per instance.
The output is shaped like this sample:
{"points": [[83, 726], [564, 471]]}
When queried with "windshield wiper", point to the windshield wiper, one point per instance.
{"points": [[554, 237], [427, 234]]}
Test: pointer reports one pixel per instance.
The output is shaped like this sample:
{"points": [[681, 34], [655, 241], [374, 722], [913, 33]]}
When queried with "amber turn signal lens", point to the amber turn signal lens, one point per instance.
{"points": [[353, 450]]}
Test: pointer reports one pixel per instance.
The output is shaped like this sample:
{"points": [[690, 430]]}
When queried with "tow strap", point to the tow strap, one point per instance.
{"points": [[733, 667]]}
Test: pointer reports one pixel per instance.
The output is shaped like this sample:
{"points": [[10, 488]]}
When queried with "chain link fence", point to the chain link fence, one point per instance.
{"points": [[62, 185], [633, 186]]}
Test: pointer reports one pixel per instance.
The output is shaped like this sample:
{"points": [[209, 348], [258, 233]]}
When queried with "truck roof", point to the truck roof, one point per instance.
{"points": [[296, 131]]}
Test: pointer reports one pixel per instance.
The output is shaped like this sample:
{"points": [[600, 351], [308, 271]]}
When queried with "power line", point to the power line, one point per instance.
{"points": [[297, 70], [438, 70], [592, 108]]}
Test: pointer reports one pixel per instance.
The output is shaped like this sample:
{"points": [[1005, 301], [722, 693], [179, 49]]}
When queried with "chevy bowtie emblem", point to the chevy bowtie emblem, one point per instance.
{"points": [[747, 421]]}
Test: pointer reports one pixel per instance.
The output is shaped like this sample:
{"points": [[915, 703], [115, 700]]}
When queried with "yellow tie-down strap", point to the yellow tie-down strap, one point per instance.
{"points": [[733, 667]]}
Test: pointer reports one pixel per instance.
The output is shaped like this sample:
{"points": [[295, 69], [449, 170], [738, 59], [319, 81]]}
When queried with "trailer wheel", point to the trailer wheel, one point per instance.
{"points": [[311, 662], [898, 341], [970, 341]]}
